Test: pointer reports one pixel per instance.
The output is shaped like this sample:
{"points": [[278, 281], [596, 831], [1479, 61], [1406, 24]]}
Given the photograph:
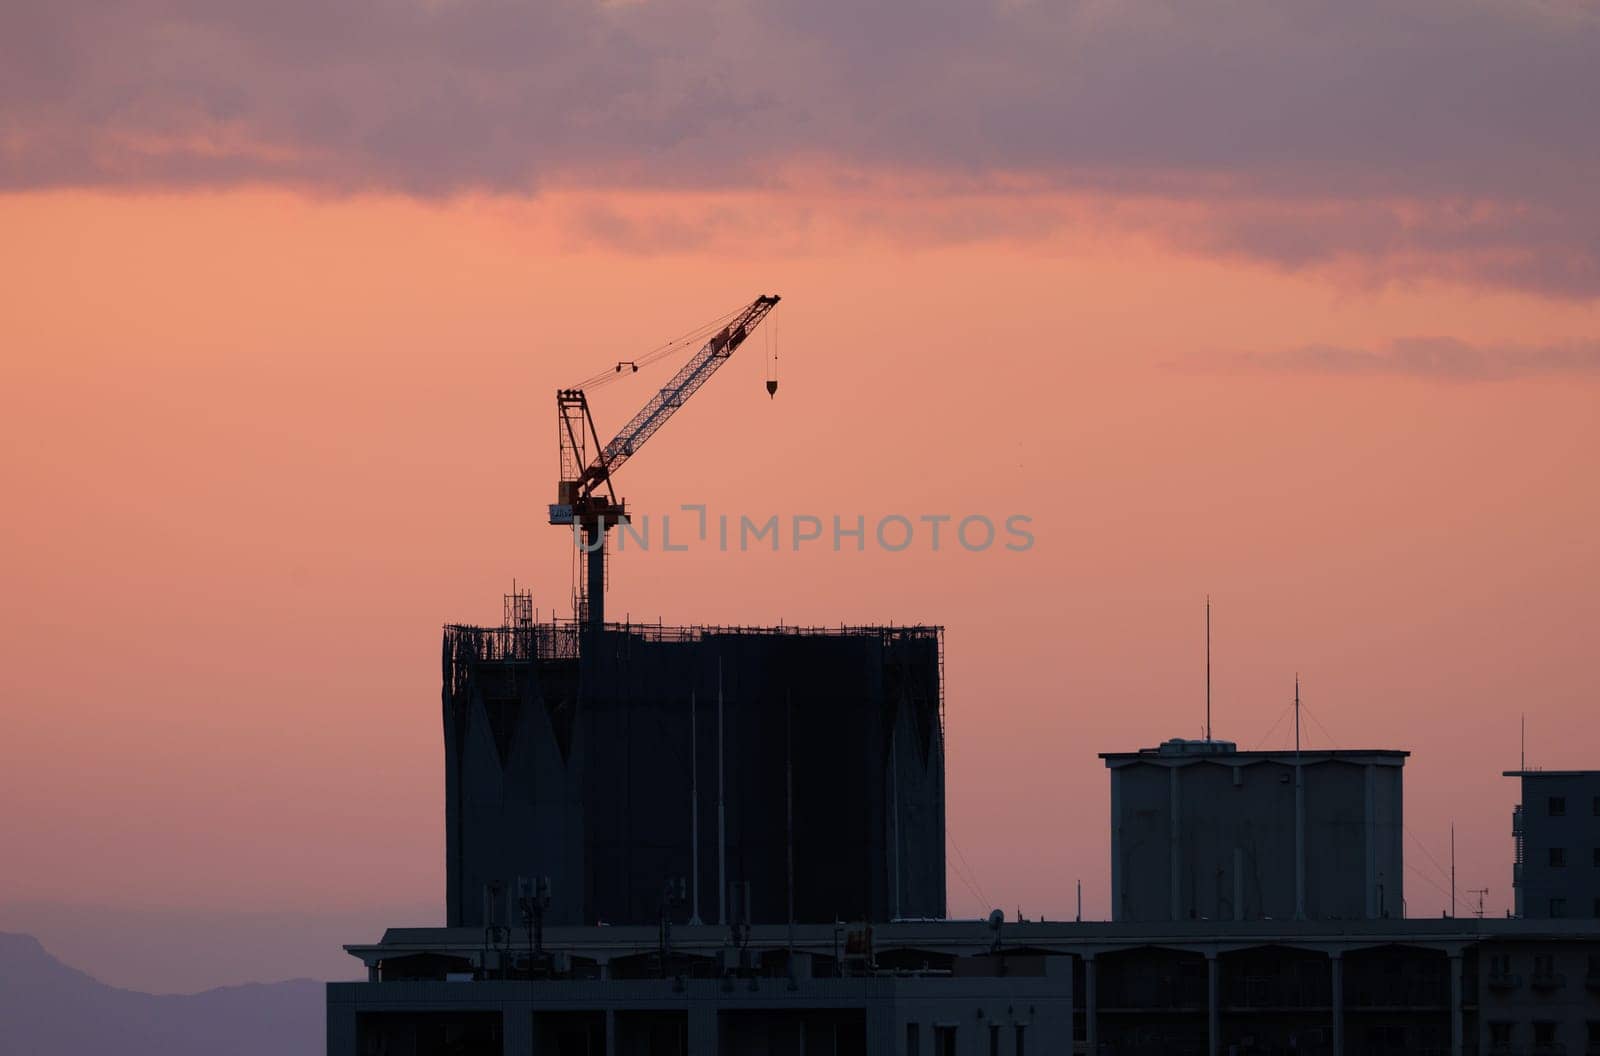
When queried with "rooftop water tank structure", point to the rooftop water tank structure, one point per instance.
{"points": [[1203, 831]]}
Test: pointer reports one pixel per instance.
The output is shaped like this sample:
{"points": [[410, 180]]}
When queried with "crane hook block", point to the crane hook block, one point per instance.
{"points": [[772, 387]]}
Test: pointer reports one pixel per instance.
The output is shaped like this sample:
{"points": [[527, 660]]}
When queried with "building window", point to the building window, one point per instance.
{"points": [[1022, 1040], [1594, 1034], [1558, 857], [1597, 857], [994, 1039], [1500, 964], [913, 1039], [1500, 1035], [1596, 912], [1597, 806], [1558, 806], [1558, 907], [1544, 1034], [944, 1041], [1544, 964]]}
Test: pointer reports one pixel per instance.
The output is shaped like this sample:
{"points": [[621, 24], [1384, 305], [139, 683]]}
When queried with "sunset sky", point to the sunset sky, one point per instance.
{"points": [[1293, 305]]}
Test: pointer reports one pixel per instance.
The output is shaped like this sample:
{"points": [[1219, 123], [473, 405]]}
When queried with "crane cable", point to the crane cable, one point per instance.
{"points": [[772, 358], [697, 336]]}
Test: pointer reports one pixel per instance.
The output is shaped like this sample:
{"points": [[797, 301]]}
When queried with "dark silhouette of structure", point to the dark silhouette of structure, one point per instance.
{"points": [[1555, 872], [595, 758], [1203, 831], [1254, 887]]}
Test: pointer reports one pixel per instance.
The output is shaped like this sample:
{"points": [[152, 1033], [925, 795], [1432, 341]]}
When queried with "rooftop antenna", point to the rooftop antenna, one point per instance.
{"points": [[1299, 814], [1452, 868], [1522, 759], [1297, 718], [1208, 667]]}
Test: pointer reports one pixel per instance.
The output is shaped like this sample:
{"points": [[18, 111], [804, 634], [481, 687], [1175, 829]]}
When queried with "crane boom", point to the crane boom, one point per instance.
{"points": [[685, 383], [654, 414]]}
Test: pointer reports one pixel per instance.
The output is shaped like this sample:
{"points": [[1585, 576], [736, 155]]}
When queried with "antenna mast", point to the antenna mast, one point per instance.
{"points": [[1208, 667], [1299, 814]]}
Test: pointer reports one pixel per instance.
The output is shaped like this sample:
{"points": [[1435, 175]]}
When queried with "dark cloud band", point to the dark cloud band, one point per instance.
{"points": [[1474, 104]]}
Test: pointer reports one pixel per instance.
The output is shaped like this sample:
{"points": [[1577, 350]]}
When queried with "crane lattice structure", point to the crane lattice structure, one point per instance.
{"points": [[585, 496]]}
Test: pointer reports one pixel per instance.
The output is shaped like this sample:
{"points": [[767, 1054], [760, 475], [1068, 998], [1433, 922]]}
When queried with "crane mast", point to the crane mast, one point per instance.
{"points": [[585, 497]]}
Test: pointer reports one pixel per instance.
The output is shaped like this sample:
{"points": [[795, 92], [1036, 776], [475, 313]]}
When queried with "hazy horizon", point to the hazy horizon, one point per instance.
{"points": [[174, 950]]}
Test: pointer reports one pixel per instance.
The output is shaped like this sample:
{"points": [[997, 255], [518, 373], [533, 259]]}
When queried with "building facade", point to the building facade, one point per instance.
{"points": [[1556, 833], [703, 990], [803, 768], [1203, 831], [1430, 987]]}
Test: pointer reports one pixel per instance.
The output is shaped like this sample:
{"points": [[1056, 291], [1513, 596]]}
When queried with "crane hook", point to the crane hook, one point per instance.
{"points": [[772, 363]]}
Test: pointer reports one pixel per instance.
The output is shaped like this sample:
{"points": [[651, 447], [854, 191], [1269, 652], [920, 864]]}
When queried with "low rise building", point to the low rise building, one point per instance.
{"points": [[1555, 870], [964, 988]]}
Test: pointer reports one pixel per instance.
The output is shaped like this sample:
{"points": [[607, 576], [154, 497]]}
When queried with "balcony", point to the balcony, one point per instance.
{"points": [[1549, 980], [1519, 841]]}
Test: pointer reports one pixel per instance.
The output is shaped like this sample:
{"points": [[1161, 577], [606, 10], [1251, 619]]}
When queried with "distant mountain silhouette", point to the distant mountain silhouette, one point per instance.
{"points": [[50, 1009]]}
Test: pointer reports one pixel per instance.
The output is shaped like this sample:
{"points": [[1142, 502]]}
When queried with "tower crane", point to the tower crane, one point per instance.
{"points": [[585, 497]]}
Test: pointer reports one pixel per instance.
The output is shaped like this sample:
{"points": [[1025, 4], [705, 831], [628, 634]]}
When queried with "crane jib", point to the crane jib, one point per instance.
{"points": [[677, 391]]}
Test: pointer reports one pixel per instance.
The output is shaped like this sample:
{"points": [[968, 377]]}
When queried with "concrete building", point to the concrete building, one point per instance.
{"points": [[1538, 994], [1555, 870], [1464, 987], [1258, 895], [828, 990], [1203, 831], [802, 767]]}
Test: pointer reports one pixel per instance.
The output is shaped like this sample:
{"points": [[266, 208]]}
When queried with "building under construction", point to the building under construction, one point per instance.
{"points": [[718, 773]]}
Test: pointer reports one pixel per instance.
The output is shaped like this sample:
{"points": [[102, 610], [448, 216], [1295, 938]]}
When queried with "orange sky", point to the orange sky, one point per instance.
{"points": [[259, 446]]}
